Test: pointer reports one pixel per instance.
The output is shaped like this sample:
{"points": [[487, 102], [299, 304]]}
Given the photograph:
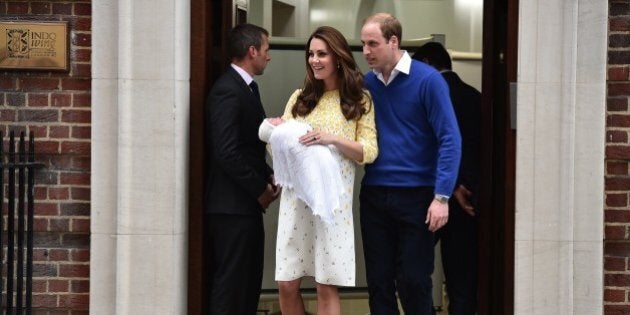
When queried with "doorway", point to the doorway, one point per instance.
{"points": [[496, 228], [210, 21]]}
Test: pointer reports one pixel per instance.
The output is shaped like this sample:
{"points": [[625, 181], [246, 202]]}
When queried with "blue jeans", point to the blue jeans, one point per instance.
{"points": [[398, 248]]}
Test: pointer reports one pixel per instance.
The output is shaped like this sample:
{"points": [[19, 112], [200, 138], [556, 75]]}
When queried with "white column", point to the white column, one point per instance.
{"points": [[560, 156], [140, 103]]}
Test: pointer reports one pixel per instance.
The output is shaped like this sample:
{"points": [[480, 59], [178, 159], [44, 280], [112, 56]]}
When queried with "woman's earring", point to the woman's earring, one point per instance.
{"points": [[338, 65]]}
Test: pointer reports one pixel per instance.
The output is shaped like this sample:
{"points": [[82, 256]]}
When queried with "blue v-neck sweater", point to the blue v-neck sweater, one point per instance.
{"points": [[418, 137]]}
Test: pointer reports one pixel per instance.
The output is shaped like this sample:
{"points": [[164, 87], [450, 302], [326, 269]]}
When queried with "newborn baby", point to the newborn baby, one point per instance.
{"points": [[311, 172]]}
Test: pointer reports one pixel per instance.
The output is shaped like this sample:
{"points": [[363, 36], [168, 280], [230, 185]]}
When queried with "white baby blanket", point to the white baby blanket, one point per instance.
{"points": [[312, 172]]}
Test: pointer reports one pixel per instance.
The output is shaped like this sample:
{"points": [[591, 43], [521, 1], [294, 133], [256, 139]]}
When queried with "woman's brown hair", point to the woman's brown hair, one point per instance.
{"points": [[351, 93]]}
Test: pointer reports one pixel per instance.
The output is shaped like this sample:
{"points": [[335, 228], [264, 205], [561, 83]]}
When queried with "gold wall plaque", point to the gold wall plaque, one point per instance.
{"points": [[34, 45]]}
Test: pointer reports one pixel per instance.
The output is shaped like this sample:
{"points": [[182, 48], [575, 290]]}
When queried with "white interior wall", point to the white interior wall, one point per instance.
{"points": [[460, 20], [260, 12]]}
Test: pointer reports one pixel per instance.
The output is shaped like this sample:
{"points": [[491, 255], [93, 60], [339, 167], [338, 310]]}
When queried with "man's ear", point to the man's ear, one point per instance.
{"points": [[252, 52], [394, 40]]}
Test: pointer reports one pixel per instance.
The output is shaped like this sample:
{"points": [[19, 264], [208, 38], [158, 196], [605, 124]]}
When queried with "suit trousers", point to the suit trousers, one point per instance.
{"points": [[235, 260], [458, 245], [398, 248]]}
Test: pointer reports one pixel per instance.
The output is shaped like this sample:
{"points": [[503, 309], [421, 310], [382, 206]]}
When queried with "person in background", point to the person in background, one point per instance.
{"points": [[404, 193], [458, 238], [334, 103], [240, 184]]}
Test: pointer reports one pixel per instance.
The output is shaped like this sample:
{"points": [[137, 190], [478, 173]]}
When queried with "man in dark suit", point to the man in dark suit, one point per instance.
{"points": [[240, 184], [459, 236]]}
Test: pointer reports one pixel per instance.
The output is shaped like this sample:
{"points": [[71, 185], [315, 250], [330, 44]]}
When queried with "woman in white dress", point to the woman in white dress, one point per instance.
{"points": [[340, 112]]}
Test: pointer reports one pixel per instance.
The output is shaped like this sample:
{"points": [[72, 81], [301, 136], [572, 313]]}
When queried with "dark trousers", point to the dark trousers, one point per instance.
{"points": [[398, 248], [235, 245], [458, 244]]}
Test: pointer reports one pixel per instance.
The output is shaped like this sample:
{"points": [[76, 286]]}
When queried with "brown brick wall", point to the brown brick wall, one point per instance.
{"points": [[617, 202], [55, 106]]}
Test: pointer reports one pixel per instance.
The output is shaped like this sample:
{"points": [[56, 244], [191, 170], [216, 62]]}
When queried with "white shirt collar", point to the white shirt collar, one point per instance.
{"points": [[403, 65], [248, 78]]}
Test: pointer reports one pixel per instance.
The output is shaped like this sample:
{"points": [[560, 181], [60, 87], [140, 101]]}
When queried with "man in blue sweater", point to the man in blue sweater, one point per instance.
{"points": [[404, 193]]}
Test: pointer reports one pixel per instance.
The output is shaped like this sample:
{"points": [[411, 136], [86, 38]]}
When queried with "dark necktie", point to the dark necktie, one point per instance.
{"points": [[254, 87]]}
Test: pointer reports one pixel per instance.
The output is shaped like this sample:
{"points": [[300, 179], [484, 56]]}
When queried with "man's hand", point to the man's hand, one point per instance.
{"points": [[437, 215], [462, 195], [270, 194]]}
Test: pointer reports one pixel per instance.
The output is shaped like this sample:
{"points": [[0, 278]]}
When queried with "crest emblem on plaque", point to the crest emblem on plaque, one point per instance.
{"points": [[17, 42]]}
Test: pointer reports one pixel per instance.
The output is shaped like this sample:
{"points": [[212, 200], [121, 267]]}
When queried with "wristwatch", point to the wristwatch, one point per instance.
{"points": [[441, 198]]}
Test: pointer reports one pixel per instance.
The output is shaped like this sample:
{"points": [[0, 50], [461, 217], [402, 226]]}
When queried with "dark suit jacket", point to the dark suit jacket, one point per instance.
{"points": [[467, 105], [237, 173]]}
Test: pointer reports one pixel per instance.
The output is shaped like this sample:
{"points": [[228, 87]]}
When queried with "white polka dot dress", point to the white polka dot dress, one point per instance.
{"points": [[305, 245]]}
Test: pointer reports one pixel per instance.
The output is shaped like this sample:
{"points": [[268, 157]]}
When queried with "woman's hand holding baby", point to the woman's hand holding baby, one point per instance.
{"points": [[316, 137]]}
